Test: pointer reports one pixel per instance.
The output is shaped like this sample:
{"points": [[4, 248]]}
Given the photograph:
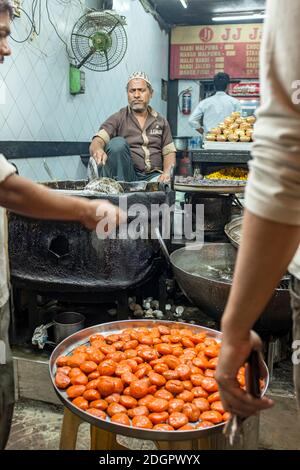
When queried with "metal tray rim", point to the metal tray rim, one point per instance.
{"points": [[232, 225], [209, 189]]}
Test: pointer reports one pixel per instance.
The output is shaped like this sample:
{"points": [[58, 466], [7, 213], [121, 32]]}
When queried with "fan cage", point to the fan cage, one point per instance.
{"points": [[81, 40]]}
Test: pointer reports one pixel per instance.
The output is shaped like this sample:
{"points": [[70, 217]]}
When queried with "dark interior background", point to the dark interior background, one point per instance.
{"points": [[201, 11]]}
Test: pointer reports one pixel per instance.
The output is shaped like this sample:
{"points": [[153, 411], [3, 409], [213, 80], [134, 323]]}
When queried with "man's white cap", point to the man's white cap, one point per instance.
{"points": [[141, 75]]}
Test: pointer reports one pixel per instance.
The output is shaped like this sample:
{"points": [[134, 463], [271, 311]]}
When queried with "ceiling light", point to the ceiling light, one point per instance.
{"points": [[184, 3], [240, 17]]}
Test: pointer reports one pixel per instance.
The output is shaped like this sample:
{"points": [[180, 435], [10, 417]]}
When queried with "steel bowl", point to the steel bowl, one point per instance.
{"points": [[233, 231]]}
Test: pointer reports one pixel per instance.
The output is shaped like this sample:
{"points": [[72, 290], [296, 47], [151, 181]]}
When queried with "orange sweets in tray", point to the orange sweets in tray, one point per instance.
{"points": [[156, 378]]}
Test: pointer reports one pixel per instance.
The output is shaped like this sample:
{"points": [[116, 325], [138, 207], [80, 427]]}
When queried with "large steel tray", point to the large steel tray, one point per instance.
{"points": [[82, 337], [209, 186]]}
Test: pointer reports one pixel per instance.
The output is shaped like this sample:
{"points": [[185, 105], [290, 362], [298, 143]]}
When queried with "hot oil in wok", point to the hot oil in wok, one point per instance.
{"points": [[225, 274], [215, 273]]}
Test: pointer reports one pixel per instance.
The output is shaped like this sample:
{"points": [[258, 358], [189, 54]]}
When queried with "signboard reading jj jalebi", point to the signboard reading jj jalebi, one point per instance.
{"points": [[199, 52]]}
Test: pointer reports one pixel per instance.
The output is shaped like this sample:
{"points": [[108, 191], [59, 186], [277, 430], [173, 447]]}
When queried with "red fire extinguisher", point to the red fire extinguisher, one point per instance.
{"points": [[185, 99]]}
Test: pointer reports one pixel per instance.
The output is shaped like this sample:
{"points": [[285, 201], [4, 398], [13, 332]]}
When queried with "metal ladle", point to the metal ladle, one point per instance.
{"points": [[92, 170], [49, 172], [163, 246]]}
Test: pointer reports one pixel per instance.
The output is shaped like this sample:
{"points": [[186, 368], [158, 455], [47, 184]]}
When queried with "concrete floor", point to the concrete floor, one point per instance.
{"points": [[36, 426], [280, 427]]}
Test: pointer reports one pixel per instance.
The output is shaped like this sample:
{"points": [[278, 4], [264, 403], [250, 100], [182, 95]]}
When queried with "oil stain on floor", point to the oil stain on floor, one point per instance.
{"points": [[36, 426]]}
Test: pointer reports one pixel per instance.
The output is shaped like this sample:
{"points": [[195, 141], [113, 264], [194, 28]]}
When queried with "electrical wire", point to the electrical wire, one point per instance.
{"points": [[35, 4], [31, 30], [35, 19], [56, 31], [53, 24]]}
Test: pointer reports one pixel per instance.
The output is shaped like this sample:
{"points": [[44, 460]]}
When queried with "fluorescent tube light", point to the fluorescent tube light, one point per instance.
{"points": [[257, 16], [184, 3]]}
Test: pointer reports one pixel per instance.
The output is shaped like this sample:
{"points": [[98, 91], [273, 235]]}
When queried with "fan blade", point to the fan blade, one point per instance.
{"points": [[92, 52], [105, 53], [113, 28], [82, 35]]}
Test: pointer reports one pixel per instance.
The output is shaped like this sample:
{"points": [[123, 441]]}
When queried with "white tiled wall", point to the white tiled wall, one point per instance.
{"points": [[35, 103], [61, 168]]}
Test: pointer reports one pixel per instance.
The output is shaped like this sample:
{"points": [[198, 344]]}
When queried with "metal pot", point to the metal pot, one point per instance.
{"points": [[217, 212], [181, 143], [66, 324], [211, 294]]}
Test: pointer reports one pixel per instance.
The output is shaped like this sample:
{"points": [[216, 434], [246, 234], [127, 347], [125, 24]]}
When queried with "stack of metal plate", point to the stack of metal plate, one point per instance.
{"points": [[198, 184]]}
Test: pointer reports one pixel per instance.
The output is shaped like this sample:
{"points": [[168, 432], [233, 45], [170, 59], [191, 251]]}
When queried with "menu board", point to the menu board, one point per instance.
{"points": [[199, 52]]}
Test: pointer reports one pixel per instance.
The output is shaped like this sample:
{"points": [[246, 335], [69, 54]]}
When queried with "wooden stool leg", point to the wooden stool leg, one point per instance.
{"points": [[69, 431], [176, 445], [104, 440], [209, 443]]}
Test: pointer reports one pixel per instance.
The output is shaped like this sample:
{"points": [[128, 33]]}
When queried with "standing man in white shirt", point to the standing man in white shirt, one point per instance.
{"points": [[24, 197], [271, 230], [210, 112]]}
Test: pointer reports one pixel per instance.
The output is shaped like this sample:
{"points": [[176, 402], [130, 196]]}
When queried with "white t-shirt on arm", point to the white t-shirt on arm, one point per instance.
{"points": [[273, 190], [6, 169]]}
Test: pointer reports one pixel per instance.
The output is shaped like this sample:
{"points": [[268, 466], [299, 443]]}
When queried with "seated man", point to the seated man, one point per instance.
{"points": [[135, 143]]}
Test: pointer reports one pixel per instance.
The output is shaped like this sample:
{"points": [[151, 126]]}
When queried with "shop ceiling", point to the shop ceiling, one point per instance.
{"points": [[202, 11]]}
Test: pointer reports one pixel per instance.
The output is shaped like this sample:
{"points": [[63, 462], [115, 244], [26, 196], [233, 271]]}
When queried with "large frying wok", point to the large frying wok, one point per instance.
{"points": [[51, 256], [195, 272]]}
